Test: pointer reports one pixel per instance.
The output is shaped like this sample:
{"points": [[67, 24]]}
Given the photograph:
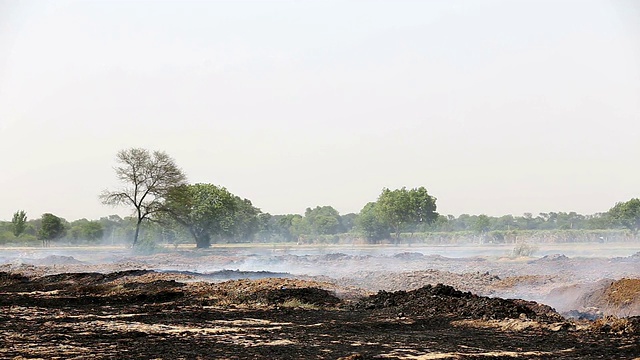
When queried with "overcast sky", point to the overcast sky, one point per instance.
{"points": [[496, 107]]}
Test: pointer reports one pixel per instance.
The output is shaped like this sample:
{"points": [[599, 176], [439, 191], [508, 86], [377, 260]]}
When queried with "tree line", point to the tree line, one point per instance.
{"points": [[166, 208]]}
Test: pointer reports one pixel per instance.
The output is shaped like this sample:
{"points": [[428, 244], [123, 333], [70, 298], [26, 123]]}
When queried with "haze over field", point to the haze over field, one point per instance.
{"points": [[496, 107]]}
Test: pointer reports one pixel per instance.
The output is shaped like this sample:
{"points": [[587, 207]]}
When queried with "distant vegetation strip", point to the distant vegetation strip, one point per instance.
{"points": [[167, 209]]}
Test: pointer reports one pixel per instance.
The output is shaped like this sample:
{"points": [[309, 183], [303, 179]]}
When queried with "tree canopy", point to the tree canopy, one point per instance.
{"points": [[84, 229], [370, 225], [51, 228], [19, 222], [627, 214], [402, 207], [205, 210], [147, 178]]}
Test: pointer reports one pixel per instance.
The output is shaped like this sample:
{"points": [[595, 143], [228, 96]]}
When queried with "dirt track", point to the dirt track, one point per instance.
{"points": [[68, 309]]}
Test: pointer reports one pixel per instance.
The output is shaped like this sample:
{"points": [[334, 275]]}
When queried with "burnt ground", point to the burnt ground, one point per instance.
{"points": [[148, 315]]}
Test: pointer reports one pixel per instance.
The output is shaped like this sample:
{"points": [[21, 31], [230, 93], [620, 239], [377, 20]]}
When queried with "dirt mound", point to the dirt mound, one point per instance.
{"points": [[477, 282], [409, 256], [622, 297], [633, 258], [232, 274], [334, 257], [444, 300], [56, 260], [68, 281], [584, 314], [145, 286], [602, 298], [8, 279], [615, 325], [524, 280], [544, 312], [553, 257], [577, 296], [23, 269], [268, 291], [81, 289], [312, 295]]}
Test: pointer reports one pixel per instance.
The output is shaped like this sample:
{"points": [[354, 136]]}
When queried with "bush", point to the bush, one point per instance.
{"points": [[147, 246], [523, 250]]}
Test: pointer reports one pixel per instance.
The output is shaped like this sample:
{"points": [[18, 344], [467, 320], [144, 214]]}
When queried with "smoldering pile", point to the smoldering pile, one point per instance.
{"points": [[476, 282], [149, 287], [599, 299], [226, 274], [444, 300]]}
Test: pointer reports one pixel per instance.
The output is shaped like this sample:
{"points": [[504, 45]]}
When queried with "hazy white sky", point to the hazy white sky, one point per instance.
{"points": [[495, 107]]}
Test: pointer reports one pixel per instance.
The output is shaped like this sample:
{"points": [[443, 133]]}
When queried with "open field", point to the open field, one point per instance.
{"points": [[333, 302]]}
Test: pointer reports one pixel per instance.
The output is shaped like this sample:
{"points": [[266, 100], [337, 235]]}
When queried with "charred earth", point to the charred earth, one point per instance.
{"points": [[182, 315]]}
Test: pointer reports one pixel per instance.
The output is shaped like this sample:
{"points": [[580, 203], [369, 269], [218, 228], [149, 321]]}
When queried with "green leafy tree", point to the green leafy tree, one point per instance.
{"points": [[93, 231], [600, 221], [284, 226], [110, 225], [147, 177], [84, 229], [441, 223], [370, 225], [481, 224], [394, 208], [323, 220], [300, 227], [51, 228], [401, 207], [246, 222], [423, 206], [205, 210], [19, 222], [266, 227], [348, 221], [627, 214], [506, 222]]}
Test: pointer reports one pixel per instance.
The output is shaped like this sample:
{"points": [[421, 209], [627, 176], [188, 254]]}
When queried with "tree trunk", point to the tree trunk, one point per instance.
{"points": [[135, 237], [203, 241]]}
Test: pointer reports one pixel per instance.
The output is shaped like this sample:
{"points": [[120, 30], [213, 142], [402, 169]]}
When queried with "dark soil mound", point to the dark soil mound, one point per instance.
{"points": [[313, 296], [11, 279], [444, 300], [66, 281], [543, 312]]}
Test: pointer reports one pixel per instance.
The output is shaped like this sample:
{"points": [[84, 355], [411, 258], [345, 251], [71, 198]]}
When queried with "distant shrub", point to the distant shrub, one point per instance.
{"points": [[523, 250], [147, 246]]}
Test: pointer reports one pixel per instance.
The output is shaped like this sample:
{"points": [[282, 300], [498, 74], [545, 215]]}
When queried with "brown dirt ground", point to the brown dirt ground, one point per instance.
{"points": [[147, 315]]}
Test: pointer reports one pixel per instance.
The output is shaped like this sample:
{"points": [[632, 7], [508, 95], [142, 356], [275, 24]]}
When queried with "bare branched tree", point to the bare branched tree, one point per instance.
{"points": [[148, 177]]}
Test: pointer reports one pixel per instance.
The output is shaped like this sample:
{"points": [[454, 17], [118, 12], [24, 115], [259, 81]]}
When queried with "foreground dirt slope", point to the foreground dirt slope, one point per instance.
{"points": [[147, 315]]}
